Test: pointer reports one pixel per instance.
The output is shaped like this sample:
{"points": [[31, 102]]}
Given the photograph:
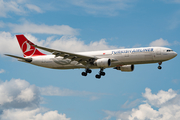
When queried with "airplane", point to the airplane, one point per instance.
{"points": [[119, 59]]}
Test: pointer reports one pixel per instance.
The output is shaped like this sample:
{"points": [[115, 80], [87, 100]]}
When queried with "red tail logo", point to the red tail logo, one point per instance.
{"points": [[26, 47]]}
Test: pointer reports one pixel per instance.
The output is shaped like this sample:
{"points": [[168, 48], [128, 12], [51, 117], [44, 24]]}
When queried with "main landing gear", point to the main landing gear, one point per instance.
{"points": [[98, 76], [87, 71], [101, 73], [159, 67]]}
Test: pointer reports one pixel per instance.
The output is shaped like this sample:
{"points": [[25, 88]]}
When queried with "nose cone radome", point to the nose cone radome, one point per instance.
{"points": [[174, 54]]}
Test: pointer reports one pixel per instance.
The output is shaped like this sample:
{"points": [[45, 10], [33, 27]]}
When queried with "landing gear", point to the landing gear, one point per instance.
{"points": [[98, 76], [86, 72], [159, 67], [101, 73]]}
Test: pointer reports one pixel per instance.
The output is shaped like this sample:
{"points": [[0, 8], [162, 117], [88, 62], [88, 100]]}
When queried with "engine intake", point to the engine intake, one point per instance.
{"points": [[103, 62]]}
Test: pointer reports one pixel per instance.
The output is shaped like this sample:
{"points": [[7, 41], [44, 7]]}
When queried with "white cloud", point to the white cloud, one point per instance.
{"points": [[159, 42], [95, 7], [160, 98], [166, 103], [28, 27], [9, 44], [145, 111], [171, 1], [9, 6], [21, 1], [55, 91], [26, 95], [16, 6], [34, 8], [92, 98], [120, 115], [35, 114], [2, 71], [128, 104], [20, 101], [18, 93], [70, 43], [103, 7]]}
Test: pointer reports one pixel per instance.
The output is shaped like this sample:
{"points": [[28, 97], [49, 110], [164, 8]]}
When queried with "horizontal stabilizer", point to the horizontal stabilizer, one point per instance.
{"points": [[20, 58]]}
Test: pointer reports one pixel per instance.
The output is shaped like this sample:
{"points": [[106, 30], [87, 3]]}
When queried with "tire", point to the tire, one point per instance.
{"points": [[89, 71], [159, 67], [98, 76], [84, 74], [102, 73]]}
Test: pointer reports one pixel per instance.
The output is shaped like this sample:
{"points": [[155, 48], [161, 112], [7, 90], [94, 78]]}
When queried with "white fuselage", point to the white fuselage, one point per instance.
{"points": [[121, 56]]}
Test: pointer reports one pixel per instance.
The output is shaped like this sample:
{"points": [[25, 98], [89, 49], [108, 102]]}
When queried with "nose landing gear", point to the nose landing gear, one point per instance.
{"points": [[159, 67]]}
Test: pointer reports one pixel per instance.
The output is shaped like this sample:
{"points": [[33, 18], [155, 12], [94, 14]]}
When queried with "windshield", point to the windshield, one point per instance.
{"points": [[169, 50]]}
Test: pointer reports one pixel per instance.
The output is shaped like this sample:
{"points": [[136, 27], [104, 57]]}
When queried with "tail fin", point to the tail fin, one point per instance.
{"points": [[26, 46]]}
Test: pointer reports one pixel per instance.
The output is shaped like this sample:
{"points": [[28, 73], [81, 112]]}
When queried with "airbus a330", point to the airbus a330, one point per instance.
{"points": [[119, 59]]}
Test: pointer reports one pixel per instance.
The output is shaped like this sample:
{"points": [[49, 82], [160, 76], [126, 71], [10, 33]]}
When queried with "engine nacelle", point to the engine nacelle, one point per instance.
{"points": [[126, 68], [103, 62]]}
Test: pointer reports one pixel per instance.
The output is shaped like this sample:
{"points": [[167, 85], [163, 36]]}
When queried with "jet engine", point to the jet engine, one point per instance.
{"points": [[103, 62], [125, 68]]}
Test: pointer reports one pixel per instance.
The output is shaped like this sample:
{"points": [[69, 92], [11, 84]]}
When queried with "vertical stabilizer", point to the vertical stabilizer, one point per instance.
{"points": [[26, 47]]}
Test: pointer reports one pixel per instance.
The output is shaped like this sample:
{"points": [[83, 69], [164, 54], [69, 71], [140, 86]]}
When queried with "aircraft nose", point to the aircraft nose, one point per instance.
{"points": [[175, 54]]}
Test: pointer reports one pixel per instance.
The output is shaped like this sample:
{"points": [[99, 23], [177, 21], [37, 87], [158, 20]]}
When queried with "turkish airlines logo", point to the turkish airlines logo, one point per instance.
{"points": [[27, 49]]}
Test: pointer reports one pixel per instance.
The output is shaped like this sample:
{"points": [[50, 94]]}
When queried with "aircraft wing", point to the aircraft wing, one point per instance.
{"points": [[20, 58], [73, 56]]}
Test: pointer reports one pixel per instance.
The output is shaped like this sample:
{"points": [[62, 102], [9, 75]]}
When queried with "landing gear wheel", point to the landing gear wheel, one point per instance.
{"points": [[102, 73], [84, 74], [98, 76], [159, 67], [89, 71]]}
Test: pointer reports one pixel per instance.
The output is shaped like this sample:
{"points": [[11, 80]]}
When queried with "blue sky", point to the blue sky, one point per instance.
{"points": [[33, 93]]}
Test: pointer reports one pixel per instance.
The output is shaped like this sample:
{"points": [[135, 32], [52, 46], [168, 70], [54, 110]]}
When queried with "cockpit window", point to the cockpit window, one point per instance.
{"points": [[169, 50]]}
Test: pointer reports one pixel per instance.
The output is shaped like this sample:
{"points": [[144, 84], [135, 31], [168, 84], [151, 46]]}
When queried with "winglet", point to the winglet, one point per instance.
{"points": [[27, 47]]}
